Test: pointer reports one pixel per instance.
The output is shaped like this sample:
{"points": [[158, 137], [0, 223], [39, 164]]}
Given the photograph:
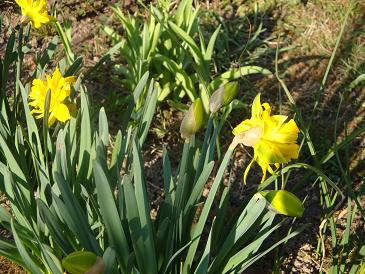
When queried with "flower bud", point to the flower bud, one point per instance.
{"points": [[223, 96], [193, 119], [284, 202], [80, 262]]}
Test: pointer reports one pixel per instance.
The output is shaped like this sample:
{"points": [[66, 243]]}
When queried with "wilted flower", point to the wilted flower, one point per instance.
{"points": [[193, 119], [60, 89], [223, 96], [273, 139], [35, 11]]}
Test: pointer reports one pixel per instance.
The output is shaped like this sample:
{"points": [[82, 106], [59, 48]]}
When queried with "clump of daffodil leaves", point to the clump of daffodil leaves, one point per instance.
{"points": [[272, 139], [60, 88], [34, 11]]}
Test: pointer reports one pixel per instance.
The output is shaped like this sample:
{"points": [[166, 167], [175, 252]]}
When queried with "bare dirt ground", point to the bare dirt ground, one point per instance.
{"points": [[310, 32]]}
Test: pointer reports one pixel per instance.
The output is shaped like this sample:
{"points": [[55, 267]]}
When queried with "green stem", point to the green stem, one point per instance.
{"points": [[18, 70], [45, 126], [204, 148]]}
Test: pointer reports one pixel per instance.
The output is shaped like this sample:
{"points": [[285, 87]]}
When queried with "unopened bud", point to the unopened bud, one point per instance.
{"points": [[193, 119], [284, 202], [223, 96], [79, 262]]}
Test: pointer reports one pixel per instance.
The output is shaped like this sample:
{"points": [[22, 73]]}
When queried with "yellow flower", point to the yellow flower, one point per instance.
{"points": [[35, 11], [273, 139], [60, 89]]}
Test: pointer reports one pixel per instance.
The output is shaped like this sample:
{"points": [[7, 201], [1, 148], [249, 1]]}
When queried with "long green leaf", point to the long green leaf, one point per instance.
{"points": [[56, 229], [143, 207], [32, 128], [283, 240], [248, 217], [198, 187], [66, 42], [134, 223], [29, 262], [110, 214], [109, 260], [74, 67], [9, 57], [205, 212], [220, 221], [180, 12], [85, 153], [180, 75], [204, 261], [103, 127], [46, 56], [148, 112], [194, 49], [209, 52], [234, 74], [75, 215]]}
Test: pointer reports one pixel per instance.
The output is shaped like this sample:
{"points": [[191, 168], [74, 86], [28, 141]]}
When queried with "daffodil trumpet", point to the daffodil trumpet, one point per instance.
{"points": [[271, 137]]}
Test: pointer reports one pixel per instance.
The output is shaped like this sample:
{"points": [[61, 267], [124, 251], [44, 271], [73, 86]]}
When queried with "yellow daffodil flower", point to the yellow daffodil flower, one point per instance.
{"points": [[273, 139], [60, 89], [35, 11]]}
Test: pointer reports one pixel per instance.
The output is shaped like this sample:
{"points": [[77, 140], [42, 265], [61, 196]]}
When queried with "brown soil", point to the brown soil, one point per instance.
{"points": [[8, 267]]}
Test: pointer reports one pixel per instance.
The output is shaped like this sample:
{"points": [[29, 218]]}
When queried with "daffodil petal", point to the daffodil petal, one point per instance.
{"points": [[62, 113], [280, 118], [243, 126], [287, 133], [268, 152], [288, 151], [21, 3], [264, 167], [51, 119], [266, 112], [247, 170], [274, 152], [256, 107]]}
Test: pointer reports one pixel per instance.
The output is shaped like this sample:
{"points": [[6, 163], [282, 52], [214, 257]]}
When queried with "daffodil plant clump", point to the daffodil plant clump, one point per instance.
{"points": [[77, 195]]}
